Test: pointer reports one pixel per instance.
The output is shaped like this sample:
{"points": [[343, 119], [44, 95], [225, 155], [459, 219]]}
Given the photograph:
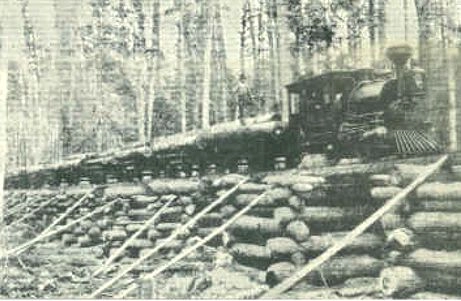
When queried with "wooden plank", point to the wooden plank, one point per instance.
{"points": [[361, 228], [169, 239]]}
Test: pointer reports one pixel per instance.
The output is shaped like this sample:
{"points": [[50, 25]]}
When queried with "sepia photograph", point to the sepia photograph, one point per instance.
{"points": [[230, 149]]}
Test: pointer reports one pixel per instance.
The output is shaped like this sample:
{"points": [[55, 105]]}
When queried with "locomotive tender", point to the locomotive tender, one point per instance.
{"points": [[363, 112]]}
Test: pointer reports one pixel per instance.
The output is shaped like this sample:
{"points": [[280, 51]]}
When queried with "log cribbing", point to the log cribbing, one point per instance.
{"points": [[43, 205], [20, 249], [318, 261], [169, 239], [191, 249], [127, 243], [80, 219], [17, 208]]}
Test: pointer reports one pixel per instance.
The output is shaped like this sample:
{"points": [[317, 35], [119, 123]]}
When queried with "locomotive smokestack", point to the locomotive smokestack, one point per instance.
{"points": [[399, 56]]}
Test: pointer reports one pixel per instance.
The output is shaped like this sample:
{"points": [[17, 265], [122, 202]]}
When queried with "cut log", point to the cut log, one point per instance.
{"points": [[365, 243], [290, 179], [400, 282], [134, 227], [332, 218], [112, 251], [439, 191], [437, 260], [85, 241], [392, 221], [255, 226], [341, 268], [94, 233], [171, 214], [86, 225], [278, 272], [68, 239], [385, 180], [282, 247], [190, 209], [227, 211], [284, 215], [279, 196], [384, 193], [153, 235], [274, 197], [174, 245], [185, 200], [402, 239], [298, 259], [244, 199], [422, 222], [359, 287], [433, 296], [123, 190], [253, 188], [104, 223], [302, 188], [317, 197], [115, 235], [441, 281], [212, 219], [251, 255], [177, 186], [296, 203], [167, 227], [298, 230], [437, 205], [448, 241], [145, 199], [204, 232], [227, 181], [262, 211], [141, 244]]}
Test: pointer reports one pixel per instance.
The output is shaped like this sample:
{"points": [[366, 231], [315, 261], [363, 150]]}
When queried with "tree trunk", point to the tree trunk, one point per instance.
{"points": [[3, 117], [207, 68], [180, 80]]}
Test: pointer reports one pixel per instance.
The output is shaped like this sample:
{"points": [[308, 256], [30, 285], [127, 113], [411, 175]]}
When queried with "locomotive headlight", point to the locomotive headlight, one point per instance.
{"points": [[278, 131]]}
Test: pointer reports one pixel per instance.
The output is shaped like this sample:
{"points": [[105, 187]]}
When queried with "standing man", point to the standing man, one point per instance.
{"points": [[243, 97]]}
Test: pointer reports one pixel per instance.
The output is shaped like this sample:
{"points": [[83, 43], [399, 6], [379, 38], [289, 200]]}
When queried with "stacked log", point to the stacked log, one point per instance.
{"points": [[425, 250], [300, 217]]}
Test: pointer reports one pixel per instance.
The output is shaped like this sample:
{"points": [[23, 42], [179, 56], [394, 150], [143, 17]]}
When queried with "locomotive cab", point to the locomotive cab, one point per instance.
{"points": [[316, 106]]}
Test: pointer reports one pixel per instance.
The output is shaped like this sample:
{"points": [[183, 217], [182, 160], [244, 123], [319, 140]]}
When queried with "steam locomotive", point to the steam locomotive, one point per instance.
{"points": [[362, 112], [366, 112]]}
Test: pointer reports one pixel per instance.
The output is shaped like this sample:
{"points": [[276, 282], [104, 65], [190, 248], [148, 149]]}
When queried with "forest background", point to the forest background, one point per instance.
{"points": [[91, 75]]}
